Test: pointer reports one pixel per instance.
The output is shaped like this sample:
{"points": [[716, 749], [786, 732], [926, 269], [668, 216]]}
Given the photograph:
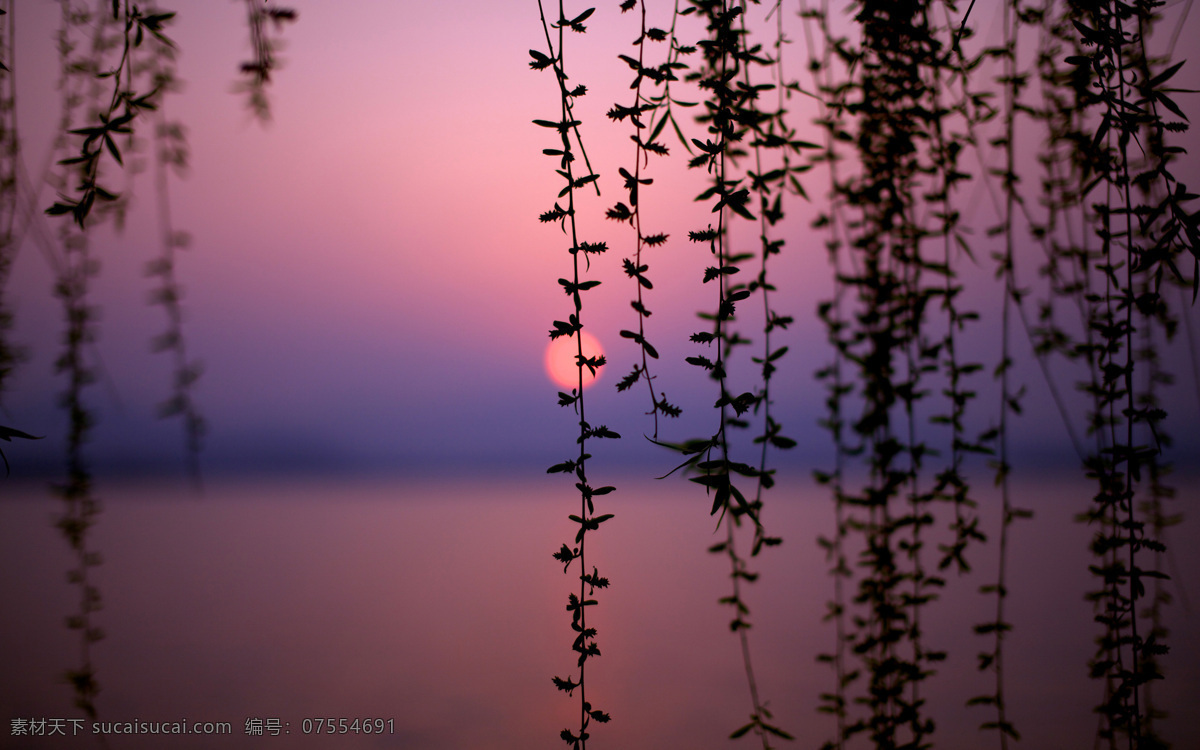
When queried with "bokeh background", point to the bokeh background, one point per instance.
{"points": [[370, 292], [368, 286]]}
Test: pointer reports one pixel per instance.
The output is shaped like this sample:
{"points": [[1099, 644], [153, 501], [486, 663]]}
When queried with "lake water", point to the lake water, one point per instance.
{"points": [[436, 607]]}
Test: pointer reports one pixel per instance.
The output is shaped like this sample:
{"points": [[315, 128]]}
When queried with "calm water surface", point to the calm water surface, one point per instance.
{"points": [[436, 606]]}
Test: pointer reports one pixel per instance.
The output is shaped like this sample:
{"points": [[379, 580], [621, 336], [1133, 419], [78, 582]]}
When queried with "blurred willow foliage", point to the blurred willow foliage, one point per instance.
{"points": [[116, 67], [913, 111]]}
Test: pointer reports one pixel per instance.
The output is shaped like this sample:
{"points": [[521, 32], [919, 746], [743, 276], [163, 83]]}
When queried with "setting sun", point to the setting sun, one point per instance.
{"points": [[560, 360]]}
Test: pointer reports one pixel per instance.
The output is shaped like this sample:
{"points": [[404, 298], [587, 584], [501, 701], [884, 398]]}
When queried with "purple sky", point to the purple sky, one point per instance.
{"points": [[368, 285]]}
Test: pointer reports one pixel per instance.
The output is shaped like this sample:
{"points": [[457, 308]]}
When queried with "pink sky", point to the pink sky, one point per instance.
{"points": [[368, 267]]}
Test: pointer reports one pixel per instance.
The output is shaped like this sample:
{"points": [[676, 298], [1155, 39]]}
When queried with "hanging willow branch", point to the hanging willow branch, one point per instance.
{"points": [[584, 641], [644, 146]]}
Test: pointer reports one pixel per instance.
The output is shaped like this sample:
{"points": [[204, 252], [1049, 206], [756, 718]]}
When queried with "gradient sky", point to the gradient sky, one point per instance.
{"points": [[368, 284]]}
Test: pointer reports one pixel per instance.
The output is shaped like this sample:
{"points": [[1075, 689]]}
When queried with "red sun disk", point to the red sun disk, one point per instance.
{"points": [[560, 360]]}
